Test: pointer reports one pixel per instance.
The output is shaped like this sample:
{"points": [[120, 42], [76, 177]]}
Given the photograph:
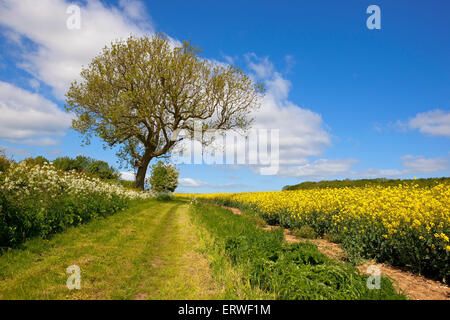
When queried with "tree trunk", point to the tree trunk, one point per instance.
{"points": [[140, 175]]}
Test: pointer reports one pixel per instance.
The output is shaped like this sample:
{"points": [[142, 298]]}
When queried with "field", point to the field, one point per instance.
{"points": [[130, 244], [405, 225], [177, 250]]}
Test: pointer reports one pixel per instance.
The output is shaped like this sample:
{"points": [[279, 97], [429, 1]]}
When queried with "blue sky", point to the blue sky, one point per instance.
{"points": [[350, 102]]}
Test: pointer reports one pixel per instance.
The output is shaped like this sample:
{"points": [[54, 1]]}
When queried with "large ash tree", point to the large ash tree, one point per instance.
{"points": [[140, 92]]}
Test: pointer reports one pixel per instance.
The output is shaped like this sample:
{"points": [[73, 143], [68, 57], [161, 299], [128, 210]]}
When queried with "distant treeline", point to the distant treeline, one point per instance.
{"points": [[92, 167], [428, 182]]}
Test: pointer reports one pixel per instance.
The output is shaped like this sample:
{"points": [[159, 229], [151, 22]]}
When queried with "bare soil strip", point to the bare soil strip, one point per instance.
{"points": [[415, 286]]}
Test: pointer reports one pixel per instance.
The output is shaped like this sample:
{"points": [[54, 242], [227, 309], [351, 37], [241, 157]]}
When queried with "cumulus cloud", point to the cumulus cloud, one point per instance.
{"points": [[193, 183], [15, 152], [434, 123], [302, 131], [189, 182], [58, 53], [319, 169], [128, 175], [343, 168], [29, 118], [420, 164]]}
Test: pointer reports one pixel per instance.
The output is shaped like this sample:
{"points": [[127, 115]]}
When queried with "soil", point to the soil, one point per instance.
{"points": [[416, 287]]}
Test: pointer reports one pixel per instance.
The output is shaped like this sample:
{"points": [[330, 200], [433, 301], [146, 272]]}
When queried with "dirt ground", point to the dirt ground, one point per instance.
{"points": [[415, 286]]}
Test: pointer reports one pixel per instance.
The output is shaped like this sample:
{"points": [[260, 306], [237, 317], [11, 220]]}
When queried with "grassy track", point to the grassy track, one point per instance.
{"points": [[151, 251]]}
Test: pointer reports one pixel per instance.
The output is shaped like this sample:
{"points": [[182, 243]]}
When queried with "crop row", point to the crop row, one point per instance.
{"points": [[405, 225]]}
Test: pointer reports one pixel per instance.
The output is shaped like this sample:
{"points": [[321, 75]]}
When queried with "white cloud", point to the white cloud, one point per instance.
{"points": [[135, 10], [343, 168], [420, 164], [44, 141], [189, 182], [15, 152], [34, 84], [193, 183], [261, 67], [29, 118], [375, 173], [302, 132], [127, 175], [319, 169], [434, 123], [59, 52]]}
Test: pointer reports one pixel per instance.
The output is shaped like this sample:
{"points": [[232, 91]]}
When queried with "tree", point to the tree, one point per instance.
{"points": [[164, 177], [38, 161], [98, 168], [139, 93], [4, 161]]}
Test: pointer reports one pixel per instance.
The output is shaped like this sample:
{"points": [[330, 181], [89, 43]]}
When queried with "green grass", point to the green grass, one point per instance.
{"points": [[173, 250], [282, 270], [151, 251]]}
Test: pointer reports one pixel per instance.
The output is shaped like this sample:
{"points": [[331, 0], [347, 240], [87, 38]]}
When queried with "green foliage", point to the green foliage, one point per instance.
{"points": [[428, 182], [127, 184], [4, 162], [304, 232], [164, 177], [289, 271], [39, 161], [40, 201], [96, 168]]}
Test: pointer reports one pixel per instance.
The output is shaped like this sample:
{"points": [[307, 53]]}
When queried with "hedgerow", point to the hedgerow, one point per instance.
{"points": [[38, 200]]}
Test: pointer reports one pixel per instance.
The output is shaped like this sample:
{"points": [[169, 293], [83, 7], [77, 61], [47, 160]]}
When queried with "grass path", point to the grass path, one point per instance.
{"points": [[151, 251]]}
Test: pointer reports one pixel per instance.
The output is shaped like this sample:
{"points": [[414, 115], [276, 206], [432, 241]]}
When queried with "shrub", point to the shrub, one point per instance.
{"points": [[40, 200], [128, 184], [163, 177], [4, 162], [39, 160], [304, 232], [96, 168]]}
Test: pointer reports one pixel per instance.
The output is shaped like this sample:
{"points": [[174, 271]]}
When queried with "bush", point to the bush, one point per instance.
{"points": [[305, 232], [40, 200], [128, 184], [162, 195], [164, 177], [39, 160], [4, 162], [96, 168]]}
